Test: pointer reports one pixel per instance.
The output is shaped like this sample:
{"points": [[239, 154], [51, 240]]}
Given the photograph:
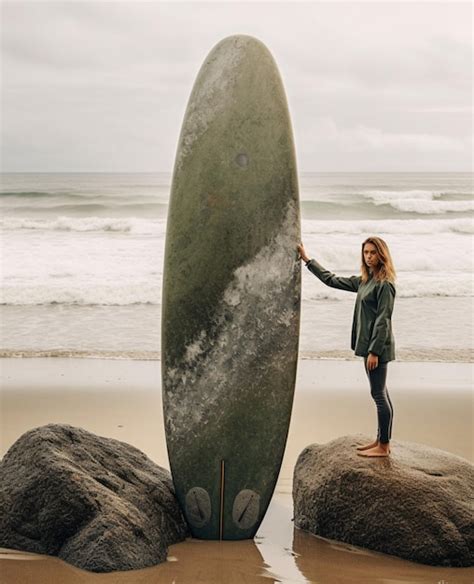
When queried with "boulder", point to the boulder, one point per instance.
{"points": [[415, 504], [94, 502]]}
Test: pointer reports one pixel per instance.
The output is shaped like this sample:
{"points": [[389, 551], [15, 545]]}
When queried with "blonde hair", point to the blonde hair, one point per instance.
{"points": [[386, 270]]}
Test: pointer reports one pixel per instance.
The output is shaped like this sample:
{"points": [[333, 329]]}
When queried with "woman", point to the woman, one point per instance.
{"points": [[372, 336]]}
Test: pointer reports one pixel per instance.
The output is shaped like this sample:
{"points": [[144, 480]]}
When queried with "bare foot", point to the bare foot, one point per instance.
{"points": [[372, 445], [379, 450]]}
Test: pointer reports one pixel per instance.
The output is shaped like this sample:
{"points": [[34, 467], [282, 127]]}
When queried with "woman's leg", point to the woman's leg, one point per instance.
{"points": [[368, 377], [391, 417], [375, 443], [378, 389]]}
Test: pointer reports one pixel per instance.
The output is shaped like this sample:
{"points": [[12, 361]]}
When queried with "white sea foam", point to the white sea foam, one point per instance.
{"points": [[418, 201], [125, 268], [157, 226], [82, 295], [431, 207], [408, 286], [386, 195], [417, 254], [85, 224], [112, 265], [402, 226], [126, 293]]}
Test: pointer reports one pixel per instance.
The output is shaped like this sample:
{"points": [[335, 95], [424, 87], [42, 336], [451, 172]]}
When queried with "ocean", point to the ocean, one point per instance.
{"points": [[82, 261]]}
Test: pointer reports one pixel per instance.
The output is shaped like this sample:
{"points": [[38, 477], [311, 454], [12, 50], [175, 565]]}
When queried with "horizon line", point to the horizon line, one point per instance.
{"points": [[471, 171]]}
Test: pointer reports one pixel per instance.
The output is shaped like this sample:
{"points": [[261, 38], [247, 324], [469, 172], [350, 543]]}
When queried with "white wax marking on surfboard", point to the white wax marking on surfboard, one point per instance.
{"points": [[210, 95], [207, 372]]}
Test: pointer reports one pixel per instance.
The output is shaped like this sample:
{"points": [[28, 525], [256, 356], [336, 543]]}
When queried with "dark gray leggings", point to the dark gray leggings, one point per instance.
{"points": [[378, 390]]}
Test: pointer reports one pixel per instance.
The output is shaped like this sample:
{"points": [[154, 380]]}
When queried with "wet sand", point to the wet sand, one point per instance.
{"points": [[122, 399]]}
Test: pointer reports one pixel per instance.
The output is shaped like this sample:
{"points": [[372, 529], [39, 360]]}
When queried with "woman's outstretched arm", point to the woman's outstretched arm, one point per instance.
{"points": [[350, 284]]}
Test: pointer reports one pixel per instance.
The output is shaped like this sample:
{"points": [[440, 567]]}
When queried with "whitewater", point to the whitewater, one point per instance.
{"points": [[86, 250]]}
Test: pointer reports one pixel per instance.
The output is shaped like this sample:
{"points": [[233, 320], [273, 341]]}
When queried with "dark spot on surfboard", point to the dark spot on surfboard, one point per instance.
{"points": [[242, 160]]}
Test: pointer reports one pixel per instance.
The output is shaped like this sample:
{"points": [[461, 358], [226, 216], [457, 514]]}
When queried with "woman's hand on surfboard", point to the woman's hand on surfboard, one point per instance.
{"points": [[302, 252]]}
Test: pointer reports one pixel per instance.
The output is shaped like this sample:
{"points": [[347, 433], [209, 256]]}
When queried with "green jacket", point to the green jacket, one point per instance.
{"points": [[371, 324]]}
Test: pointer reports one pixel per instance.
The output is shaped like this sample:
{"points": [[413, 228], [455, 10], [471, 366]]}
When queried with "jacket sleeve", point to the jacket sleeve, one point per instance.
{"points": [[350, 284], [382, 325]]}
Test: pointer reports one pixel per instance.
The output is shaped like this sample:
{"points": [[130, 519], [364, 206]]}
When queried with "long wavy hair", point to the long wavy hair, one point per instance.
{"points": [[386, 270]]}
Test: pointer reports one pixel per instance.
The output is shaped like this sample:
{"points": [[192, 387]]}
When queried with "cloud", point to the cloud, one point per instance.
{"points": [[362, 138], [104, 85]]}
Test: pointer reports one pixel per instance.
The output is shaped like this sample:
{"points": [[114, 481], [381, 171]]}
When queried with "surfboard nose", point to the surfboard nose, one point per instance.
{"points": [[241, 41]]}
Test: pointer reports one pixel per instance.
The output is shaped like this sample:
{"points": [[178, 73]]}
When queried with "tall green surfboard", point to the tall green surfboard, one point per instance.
{"points": [[231, 292]]}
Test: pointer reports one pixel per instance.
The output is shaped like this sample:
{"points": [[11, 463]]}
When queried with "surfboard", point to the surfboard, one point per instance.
{"points": [[231, 292]]}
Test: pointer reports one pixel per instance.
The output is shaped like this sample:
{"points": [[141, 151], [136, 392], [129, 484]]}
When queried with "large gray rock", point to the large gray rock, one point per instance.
{"points": [[415, 504], [95, 502]]}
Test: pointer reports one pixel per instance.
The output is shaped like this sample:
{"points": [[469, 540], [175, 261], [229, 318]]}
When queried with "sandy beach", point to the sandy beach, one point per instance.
{"points": [[122, 399]]}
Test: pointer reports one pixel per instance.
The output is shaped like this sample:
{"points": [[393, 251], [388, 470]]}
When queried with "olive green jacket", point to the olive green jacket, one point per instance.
{"points": [[371, 324]]}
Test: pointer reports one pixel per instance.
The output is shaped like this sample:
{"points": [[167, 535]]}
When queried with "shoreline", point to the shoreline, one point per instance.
{"points": [[403, 355]]}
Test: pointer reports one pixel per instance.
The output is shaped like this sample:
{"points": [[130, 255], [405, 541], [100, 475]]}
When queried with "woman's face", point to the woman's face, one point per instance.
{"points": [[371, 257]]}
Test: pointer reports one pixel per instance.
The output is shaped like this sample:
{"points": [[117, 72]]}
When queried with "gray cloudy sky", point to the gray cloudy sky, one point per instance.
{"points": [[102, 86]]}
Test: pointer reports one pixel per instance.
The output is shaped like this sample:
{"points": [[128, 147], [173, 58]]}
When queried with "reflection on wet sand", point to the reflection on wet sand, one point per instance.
{"points": [[191, 562], [204, 562], [280, 554], [327, 561]]}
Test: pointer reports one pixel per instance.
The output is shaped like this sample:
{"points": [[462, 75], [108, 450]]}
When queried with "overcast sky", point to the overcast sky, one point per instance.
{"points": [[103, 86]]}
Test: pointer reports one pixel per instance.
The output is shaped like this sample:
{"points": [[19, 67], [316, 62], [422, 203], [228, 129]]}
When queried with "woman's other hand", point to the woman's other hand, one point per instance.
{"points": [[302, 252], [372, 361]]}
